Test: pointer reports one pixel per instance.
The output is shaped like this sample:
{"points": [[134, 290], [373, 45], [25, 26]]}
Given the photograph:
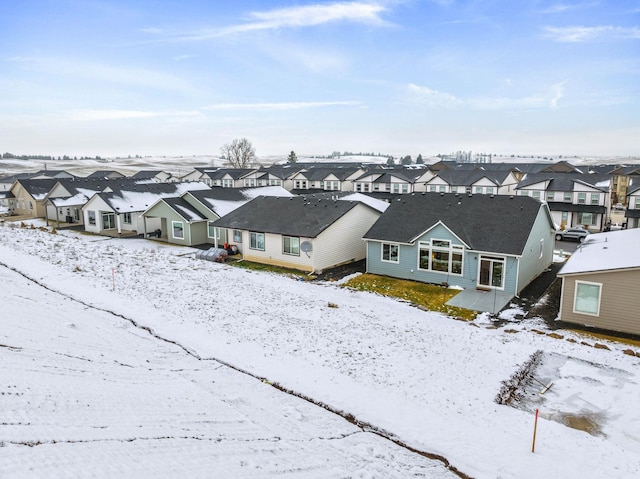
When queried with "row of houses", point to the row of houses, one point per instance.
{"points": [[577, 197], [489, 245]]}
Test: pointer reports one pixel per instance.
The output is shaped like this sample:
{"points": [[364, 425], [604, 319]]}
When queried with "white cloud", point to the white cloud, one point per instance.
{"points": [[434, 98], [586, 34], [558, 89], [566, 7], [279, 106], [368, 13]]}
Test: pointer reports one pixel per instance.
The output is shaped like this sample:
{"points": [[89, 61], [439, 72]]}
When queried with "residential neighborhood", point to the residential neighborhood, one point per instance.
{"points": [[487, 228]]}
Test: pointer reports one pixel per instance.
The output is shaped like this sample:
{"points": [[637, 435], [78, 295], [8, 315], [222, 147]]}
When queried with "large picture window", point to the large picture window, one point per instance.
{"points": [[390, 252], [91, 217], [291, 245], [256, 241], [587, 298], [441, 256]]}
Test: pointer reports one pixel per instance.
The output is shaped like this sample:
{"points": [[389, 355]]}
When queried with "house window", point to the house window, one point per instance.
{"points": [[91, 216], [549, 195], [565, 217], [541, 248], [405, 188], [524, 193], [256, 241], [479, 190], [237, 236], [291, 245], [433, 188], [595, 198], [489, 190], [582, 198], [126, 218], [30, 204], [177, 229], [491, 272], [587, 219], [454, 189], [587, 298], [396, 188], [441, 256], [211, 230], [108, 220], [567, 197], [390, 252], [536, 195]]}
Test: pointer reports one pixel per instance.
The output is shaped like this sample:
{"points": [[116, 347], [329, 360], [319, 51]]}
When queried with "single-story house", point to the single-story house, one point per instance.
{"points": [[300, 232], [600, 283], [188, 220], [119, 211], [492, 246]]}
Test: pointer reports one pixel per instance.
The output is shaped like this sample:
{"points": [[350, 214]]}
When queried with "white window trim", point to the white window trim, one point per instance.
{"points": [[397, 260], [575, 297], [452, 248], [209, 230], [173, 224], [288, 252], [263, 241], [495, 258]]}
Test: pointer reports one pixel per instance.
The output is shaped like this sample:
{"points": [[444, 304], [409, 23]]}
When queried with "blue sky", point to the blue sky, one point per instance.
{"points": [[180, 77]]}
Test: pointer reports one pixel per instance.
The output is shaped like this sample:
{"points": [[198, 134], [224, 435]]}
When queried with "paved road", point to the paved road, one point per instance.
{"points": [[568, 246]]}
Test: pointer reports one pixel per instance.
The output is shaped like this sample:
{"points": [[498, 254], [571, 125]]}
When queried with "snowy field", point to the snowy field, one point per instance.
{"points": [[131, 358]]}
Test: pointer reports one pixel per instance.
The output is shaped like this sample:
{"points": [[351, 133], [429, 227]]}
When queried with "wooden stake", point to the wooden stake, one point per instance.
{"points": [[535, 427]]}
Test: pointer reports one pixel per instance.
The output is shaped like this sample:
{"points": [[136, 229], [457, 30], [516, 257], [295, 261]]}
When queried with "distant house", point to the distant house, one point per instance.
{"points": [[64, 201], [158, 176], [491, 246], [600, 283], [29, 195], [632, 214], [119, 210], [575, 200], [188, 220], [303, 233], [476, 181], [106, 175]]}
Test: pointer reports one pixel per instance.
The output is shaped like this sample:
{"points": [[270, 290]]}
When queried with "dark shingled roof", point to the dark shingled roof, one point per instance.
{"points": [[294, 216], [500, 224], [184, 209]]}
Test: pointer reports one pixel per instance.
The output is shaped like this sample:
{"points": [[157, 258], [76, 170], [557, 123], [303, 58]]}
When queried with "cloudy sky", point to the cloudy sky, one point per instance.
{"points": [[184, 77]]}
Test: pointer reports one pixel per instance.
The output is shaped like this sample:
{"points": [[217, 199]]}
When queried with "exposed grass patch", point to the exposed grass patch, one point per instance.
{"points": [[428, 296], [292, 273]]}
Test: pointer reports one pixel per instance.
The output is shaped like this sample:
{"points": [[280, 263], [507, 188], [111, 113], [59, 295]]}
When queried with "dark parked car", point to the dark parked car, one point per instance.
{"points": [[573, 234]]}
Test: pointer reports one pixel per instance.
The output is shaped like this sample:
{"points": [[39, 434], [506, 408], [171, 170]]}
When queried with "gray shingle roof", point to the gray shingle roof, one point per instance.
{"points": [[294, 216], [500, 224]]}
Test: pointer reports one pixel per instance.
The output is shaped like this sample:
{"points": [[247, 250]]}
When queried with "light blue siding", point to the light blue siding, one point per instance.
{"points": [[408, 261]]}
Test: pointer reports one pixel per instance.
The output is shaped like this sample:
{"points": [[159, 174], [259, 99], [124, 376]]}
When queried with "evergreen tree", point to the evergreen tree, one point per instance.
{"points": [[419, 160], [292, 157]]}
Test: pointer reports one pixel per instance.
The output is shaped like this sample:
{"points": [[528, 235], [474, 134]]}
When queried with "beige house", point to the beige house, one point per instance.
{"points": [[600, 283], [306, 233]]}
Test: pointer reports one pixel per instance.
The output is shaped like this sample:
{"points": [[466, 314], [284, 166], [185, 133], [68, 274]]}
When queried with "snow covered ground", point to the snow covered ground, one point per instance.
{"points": [[118, 368]]}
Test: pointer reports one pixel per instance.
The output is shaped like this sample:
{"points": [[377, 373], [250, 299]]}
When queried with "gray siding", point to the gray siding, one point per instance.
{"points": [[531, 263], [407, 267], [619, 302]]}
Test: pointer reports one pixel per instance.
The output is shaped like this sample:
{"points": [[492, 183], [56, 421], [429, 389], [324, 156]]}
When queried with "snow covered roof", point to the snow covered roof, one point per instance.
{"points": [[128, 200], [604, 252]]}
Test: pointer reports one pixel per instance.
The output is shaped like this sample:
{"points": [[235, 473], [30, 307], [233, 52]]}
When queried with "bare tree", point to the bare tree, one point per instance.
{"points": [[239, 153]]}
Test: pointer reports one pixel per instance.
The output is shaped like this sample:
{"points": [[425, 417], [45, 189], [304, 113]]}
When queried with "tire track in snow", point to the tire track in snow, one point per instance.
{"points": [[364, 426]]}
